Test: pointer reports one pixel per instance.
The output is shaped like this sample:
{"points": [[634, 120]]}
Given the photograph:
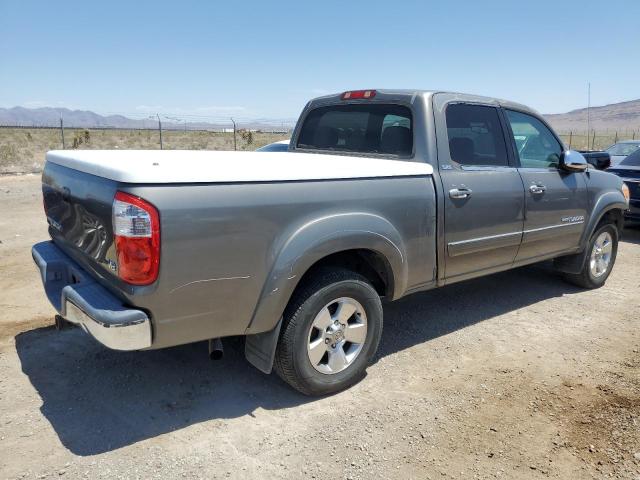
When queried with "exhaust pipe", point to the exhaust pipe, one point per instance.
{"points": [[61, 323], [216, 351]]}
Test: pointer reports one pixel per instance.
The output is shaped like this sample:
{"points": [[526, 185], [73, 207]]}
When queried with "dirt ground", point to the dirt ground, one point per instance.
{"points": [[516, 375]]}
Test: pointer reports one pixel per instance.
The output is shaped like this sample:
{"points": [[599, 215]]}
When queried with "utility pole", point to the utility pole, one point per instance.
{"points": [[234, 134]]}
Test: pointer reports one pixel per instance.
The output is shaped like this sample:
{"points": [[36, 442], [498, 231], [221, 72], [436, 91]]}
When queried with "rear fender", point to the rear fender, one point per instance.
{"points": [[310, 243], [318, 239]]}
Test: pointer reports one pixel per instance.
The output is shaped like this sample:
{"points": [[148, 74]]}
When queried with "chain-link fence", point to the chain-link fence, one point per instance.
{"points": [[22, 149], [597, 140]]}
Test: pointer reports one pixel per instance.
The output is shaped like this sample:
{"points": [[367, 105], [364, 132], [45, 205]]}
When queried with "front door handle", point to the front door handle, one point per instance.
{"points": [[458, 193], [537, 189]]}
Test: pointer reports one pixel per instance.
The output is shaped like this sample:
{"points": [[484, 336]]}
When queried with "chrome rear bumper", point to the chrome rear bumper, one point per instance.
{"points": [[81, 300]]}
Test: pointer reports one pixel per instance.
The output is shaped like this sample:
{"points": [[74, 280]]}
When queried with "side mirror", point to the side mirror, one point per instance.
{"points": [[572, 161]]}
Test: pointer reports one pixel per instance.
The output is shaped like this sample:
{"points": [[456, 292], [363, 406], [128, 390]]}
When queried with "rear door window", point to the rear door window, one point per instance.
{"points": [[363, 128], [475, 135]]}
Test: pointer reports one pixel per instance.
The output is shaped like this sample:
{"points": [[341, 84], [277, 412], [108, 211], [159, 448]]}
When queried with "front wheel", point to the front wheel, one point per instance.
{"points": [[601, 256], [330, 332]]}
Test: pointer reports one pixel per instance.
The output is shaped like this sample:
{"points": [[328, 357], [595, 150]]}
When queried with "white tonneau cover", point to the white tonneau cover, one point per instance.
{"points": [[189, 166]]}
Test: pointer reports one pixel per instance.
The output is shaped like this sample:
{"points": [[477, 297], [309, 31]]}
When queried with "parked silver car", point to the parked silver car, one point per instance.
{"points": [[619, 151], [281, 146]]}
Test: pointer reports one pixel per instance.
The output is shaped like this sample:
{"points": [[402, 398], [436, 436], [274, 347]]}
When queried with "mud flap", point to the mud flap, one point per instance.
{"points": [[260, 348], [571, 263]]}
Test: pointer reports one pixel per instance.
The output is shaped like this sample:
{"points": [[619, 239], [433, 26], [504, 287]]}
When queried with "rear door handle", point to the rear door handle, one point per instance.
{"points": [[537, 189], [458, 193]]}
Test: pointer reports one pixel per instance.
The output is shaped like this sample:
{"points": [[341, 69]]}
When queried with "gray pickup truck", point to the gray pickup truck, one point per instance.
{"points": [[382, 193]]}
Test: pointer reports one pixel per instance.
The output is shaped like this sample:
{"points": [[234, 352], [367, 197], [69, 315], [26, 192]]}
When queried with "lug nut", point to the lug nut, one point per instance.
{"points": [[326, 340]]}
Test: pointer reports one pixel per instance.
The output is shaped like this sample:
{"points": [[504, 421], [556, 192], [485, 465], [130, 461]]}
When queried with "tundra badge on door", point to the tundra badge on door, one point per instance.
{"points": [[575, 219]]}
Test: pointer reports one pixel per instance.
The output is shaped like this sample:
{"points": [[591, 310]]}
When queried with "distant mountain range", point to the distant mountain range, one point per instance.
{"points": [[50, 117], [624, 116]]}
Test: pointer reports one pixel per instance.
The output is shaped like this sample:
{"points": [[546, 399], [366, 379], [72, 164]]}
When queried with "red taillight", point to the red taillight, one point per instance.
{"points": [[357, 94], [136, 229]]}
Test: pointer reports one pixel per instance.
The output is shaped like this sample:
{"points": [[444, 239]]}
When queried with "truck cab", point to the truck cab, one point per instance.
{"points": [[510, 192]]}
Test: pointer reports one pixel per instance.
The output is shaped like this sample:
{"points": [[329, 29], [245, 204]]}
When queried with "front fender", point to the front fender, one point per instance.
{"points": [[608, 200], [316, 240]]}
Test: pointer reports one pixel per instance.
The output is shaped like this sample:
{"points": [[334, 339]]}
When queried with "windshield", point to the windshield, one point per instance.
{"points": [[274, 147], [623, 149], [632, 160], [362, 128]]}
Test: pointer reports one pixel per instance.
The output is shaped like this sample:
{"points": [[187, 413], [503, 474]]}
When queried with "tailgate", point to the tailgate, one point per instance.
{"points": [[79, 208]]}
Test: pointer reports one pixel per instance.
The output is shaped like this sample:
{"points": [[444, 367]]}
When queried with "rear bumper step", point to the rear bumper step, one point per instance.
{"points": [[82, 301]]}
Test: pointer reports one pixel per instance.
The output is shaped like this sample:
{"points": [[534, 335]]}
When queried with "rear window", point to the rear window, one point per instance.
{"points": [[362, 128]]}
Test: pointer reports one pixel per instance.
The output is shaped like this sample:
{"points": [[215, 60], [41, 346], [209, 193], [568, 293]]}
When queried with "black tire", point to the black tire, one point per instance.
{"points": [[585, 278], [292, 362]]}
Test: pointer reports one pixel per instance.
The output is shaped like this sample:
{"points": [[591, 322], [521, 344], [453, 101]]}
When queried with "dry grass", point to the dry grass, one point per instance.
{"points": [[23, 150], [599, 142]]}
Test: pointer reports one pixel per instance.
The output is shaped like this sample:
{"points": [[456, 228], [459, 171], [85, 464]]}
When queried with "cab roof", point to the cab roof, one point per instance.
{"points": [[390, 94]]}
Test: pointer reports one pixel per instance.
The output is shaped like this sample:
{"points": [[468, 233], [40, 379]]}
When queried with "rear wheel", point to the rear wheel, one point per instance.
{"points": [[601, 256], [330, 332]]}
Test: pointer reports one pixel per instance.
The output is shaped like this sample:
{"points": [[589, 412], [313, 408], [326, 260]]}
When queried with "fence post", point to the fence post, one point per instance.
{"points": [[234, 134], [616, 140], [160, 130], [593, 140], [62, 131], [634, 135], [570, 137]]}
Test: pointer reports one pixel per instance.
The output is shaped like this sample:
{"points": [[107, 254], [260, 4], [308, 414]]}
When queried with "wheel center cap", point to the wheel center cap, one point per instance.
{"points": [[335, 335]]}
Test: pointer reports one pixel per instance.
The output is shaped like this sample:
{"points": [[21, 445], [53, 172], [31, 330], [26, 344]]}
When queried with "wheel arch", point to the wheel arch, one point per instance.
{"points": [[367, 243], [608, 209], [609, 206]]}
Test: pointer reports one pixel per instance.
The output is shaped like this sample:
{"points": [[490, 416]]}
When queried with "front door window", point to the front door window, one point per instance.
{"points": [[537, 147]]}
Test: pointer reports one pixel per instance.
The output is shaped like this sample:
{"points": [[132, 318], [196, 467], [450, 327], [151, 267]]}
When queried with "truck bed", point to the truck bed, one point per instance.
{"points": [[221, 239], [188, 166]]}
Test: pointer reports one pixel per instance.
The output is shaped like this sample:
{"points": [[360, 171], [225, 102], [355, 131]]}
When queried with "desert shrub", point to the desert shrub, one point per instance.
{"points": [[81, 137], [7, 152], [247, 136]]}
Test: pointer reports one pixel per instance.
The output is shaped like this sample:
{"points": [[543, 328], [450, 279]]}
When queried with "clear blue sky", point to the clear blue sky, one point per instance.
{"points": [[265, 59]]}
